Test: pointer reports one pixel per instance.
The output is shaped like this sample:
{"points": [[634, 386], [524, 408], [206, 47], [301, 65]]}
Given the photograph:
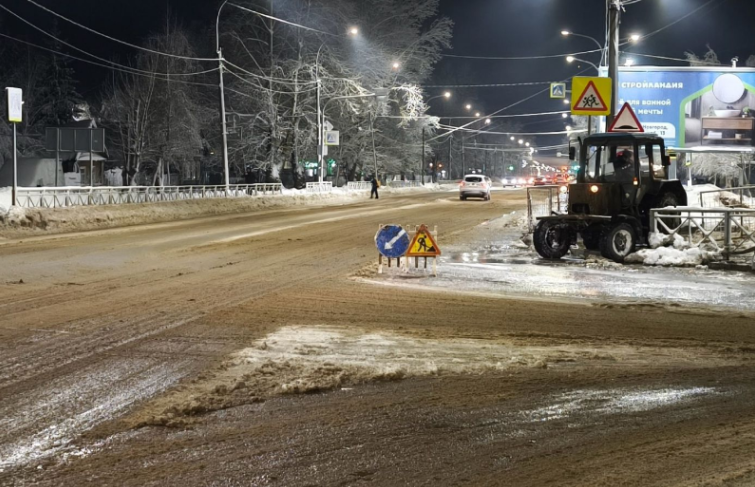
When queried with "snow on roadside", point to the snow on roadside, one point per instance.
{"points": [[20, 221], [5, 200], [672, 251]]}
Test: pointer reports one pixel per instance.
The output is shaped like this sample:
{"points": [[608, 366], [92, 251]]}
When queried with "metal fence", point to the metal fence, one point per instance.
{"points": [[728, 230], [325, 187], [405, 184], [359, 185], [116, 195], [741, 197], [544, 201]]}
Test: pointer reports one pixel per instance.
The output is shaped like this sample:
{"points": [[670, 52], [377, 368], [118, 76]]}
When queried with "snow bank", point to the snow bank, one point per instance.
{"points": [[672, 251], [20, 222], [710, 200], [5, 200], [668, 256]]}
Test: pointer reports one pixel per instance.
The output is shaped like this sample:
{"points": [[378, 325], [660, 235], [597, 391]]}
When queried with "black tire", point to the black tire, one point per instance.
{"points": [[666, 200], [552, 239], [591, 237], [463, 198], [618, 241]]}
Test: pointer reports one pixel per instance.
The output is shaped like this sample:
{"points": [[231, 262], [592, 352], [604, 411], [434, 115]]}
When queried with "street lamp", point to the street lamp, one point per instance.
{"points": [[468, 107], [629, 62], [487, 121], [477, 114], [353, 31], [635, 37], [567, 33], [521, 142], [396, 65], [565, 115], [513, 138], [571, 59], [447, 95]]}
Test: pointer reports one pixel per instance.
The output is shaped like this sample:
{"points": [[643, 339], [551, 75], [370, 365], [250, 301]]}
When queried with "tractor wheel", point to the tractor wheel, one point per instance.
{"points": [[618, 241], [591, 237], [552, 239], [666, 200]]}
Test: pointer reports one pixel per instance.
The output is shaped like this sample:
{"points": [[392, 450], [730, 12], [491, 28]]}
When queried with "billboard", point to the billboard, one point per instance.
{"points": [[692, 107]]}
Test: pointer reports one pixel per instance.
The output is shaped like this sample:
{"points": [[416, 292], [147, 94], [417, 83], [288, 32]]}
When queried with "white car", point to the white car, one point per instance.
{"points": [[475, 185]]}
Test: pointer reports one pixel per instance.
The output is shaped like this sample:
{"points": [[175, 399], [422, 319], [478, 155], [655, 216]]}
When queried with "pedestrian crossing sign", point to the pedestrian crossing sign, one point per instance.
{"points": [[558, 90], [591, 96], [423, 244]]}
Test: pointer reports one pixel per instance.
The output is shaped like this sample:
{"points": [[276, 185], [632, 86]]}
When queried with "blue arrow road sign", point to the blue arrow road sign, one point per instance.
{"points": [[392, 241]]}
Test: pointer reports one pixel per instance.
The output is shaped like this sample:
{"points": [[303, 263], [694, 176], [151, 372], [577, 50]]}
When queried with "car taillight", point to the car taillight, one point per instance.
{"points": [[462, 184]]}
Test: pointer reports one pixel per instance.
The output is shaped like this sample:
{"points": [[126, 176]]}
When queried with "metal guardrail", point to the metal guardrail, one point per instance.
{"points": [[544, 201], [359, 185], [740, 197], [325, 187], [728, 230], [115, 195]]}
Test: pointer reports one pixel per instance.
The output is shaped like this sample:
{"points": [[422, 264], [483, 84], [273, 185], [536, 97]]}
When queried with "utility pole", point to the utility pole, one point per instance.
{"points": [[450, 172], [273, 110], [614, 12], [423, 156], [225, 128], [463, 161]]}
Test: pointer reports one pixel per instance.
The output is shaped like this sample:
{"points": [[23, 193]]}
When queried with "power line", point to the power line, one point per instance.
{"points": [[70, 45], [491, 85], [118, 40], [120, 68], [285, 21], [521, 58], [464, 129]]}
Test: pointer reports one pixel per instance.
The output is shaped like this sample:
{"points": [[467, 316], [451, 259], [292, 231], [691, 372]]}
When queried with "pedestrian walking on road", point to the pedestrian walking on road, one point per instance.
{"points": [[375, 186]]}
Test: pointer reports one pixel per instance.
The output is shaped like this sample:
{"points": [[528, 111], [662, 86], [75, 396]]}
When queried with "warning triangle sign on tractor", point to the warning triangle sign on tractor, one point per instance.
{"points": [[590, 100], [626, 121], [423, 244]]}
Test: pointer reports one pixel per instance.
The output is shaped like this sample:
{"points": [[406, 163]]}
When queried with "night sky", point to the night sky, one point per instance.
{"points": [[482, 28]]}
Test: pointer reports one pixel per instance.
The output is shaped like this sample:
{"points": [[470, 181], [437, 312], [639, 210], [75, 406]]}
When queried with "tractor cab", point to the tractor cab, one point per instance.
{"points": [[621, 178]]}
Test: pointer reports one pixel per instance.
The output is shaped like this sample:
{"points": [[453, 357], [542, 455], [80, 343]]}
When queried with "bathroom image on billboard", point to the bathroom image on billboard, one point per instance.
{"points": [[720, 114]]}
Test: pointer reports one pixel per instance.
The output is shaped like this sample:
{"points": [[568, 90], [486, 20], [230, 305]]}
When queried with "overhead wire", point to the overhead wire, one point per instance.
{"points": [[88, 29], [118, 67], [520, 58]]}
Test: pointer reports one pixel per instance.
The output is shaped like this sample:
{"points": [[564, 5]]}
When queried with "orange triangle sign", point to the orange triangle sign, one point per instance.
{"points": [[423, 244], [626, 121], [590, 100]]}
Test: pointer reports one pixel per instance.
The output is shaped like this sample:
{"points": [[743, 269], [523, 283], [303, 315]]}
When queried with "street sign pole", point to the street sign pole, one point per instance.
{"points": [[15, 115], [15, 166], [614, 10]]}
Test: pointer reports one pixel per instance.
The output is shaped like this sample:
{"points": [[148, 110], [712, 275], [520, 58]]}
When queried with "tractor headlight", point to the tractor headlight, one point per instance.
{"points": [[594, 188]]}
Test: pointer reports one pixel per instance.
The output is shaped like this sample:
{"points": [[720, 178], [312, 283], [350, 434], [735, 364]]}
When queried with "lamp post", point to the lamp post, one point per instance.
{"points": [[571, 59], [222, 98], [567, 33]]}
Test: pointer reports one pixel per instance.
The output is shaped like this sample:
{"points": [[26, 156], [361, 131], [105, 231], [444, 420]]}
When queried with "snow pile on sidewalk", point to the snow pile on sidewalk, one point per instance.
{"points": [[5, 200], [672, 252]]}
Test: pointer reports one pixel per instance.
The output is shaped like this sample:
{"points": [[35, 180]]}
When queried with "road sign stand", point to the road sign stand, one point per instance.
{"points": [[394, 243]]}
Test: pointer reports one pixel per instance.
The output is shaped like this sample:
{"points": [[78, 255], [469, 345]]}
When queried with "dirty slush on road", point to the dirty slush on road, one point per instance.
{"points": [[220, 353]]}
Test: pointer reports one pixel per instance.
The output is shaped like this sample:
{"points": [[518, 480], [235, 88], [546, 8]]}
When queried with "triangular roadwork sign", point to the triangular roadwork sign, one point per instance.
{"points": [[626, 121], [423, 244], [590, 100]]}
